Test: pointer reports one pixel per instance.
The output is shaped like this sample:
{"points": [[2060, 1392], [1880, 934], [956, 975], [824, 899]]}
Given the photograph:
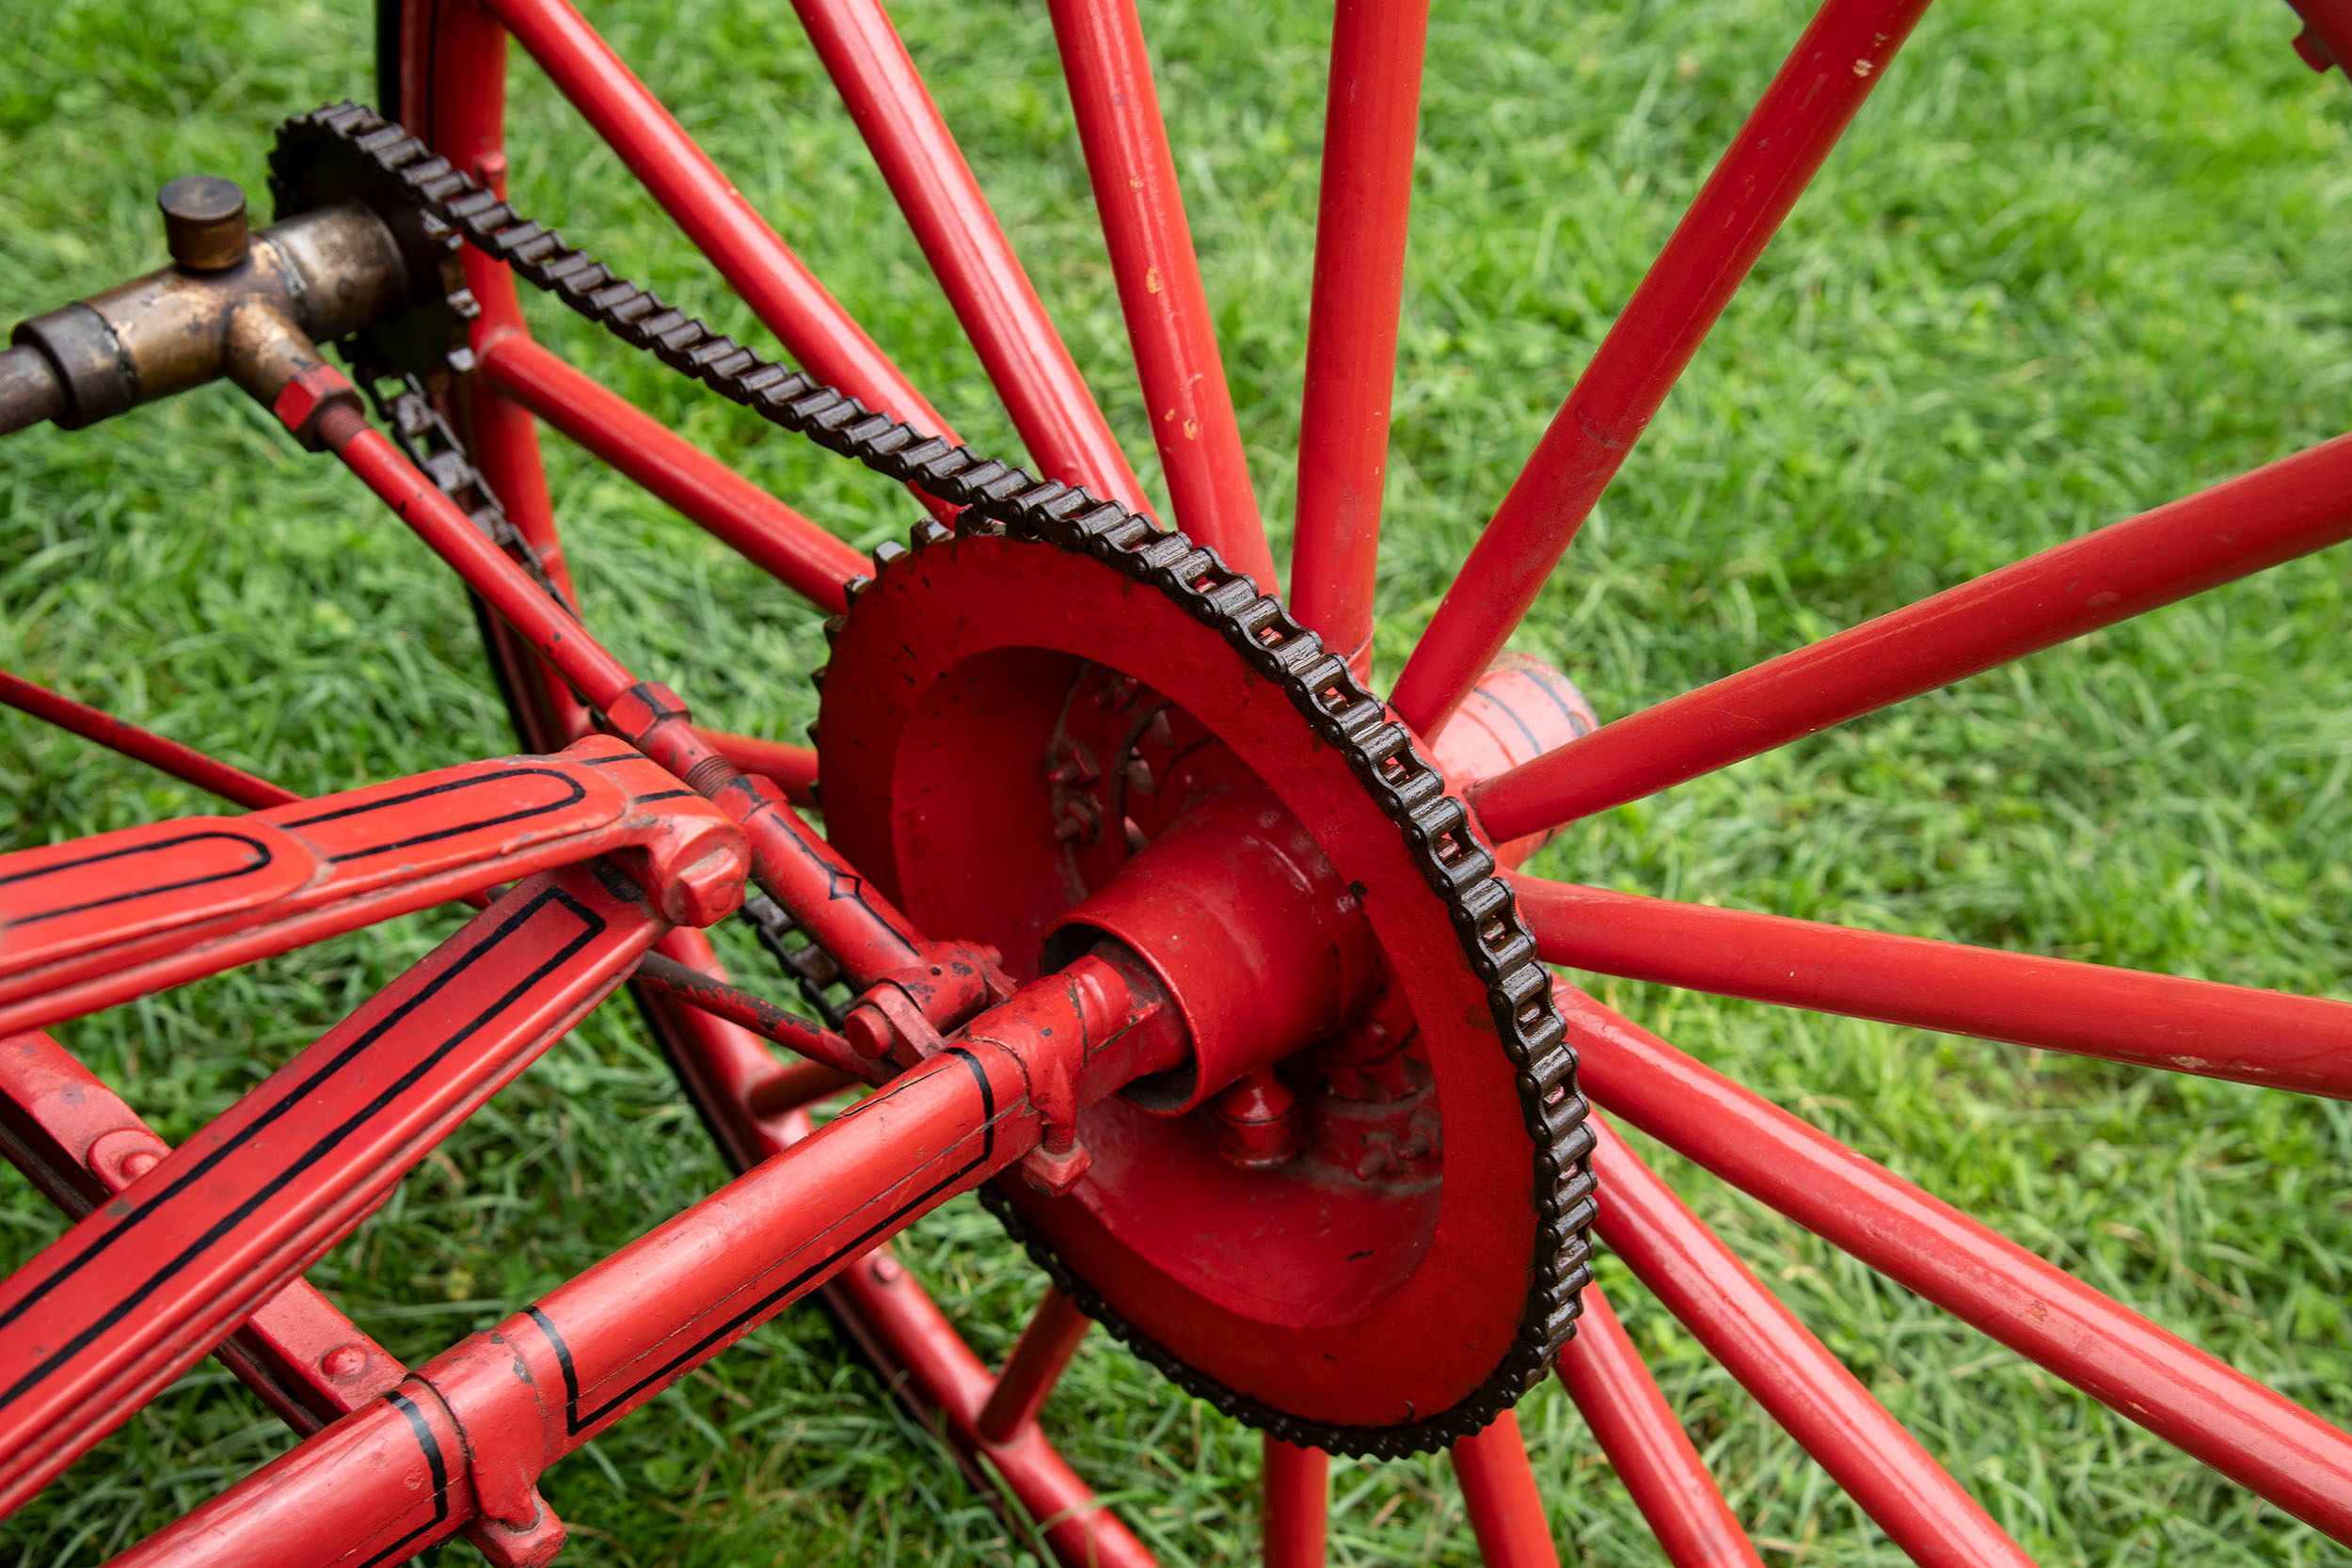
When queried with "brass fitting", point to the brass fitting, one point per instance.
{"points": [[250, 306]]}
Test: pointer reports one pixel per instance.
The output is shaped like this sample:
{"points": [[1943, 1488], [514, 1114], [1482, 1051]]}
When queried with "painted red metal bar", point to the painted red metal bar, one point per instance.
{"points": [[1024, 356], [792, 769], [856, 925], [1506, 1513], [920, 1353], [2122, 1015], [2264, 1442], [1647, 1446], [746, 518], [697, 988], [480, 1423], [752, 1104], [1793, 1374], [1372, 118], [1843, 54], [147, 1285], [2287, 509], [1168, 324], [1038, 1359], [77, 1142], [93, 725], [452, 86], [1297, 1486], [94, 922], [753, 257]]}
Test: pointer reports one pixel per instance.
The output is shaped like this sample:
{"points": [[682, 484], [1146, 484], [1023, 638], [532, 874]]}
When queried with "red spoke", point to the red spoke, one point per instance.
{"points": [[1841, 57], [749, 520], [2254, 1436], [1297, 1485], [781, 291], [1185, 392], [1647, 1446], [1791, 1373], [1025, 358], [1036, 1365], [184, 763], [2287, 509], [146, 1285], [1371, 118], [1506, 1511], [2122, 1015]]}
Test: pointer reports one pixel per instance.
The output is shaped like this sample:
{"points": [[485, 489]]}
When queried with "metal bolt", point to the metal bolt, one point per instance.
{"points": [[203, 222]]}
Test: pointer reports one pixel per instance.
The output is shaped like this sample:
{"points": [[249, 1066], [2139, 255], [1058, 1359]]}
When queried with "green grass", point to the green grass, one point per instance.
{"points": [[2072, 260]]}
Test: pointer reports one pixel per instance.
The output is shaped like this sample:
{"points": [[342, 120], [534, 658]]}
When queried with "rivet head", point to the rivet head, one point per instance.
{"points": [[203, 221], [343, 1361]]}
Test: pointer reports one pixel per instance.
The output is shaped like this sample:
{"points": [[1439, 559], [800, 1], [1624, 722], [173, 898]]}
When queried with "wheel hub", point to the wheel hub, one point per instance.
{"points": [[1373, 1242]]}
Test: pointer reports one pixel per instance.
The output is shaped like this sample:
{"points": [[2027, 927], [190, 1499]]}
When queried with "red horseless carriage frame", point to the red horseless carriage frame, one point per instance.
{"points": [[1135, 905]]}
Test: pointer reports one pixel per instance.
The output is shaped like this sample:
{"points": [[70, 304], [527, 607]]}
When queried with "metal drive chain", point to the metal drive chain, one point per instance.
{"points": [[999, 498]]}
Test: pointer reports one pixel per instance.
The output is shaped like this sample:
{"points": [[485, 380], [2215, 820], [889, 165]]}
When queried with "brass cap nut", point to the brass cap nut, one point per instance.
{"points": [[203, 222]]}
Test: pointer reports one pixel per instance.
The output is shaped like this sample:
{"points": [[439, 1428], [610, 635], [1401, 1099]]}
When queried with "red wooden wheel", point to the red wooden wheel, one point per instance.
{"points": [[1134, 907]]}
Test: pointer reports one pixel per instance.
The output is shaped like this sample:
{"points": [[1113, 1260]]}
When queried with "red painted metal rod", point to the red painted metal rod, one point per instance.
{"points": [[1840, 57], [868, 936], [1038, 1359], [772, 536], [2259, 1439], [781, 291], [1793, 1374], [1169, 325], [1296, 1483], [919, 1352], [184, 763], [2287, 509], [745, 1010], [1024, 356], [78, 1142], [1647, 1446], [1506, 1513], [791, 768], [2121, 1015], [1371, 118], [508, 1403]]}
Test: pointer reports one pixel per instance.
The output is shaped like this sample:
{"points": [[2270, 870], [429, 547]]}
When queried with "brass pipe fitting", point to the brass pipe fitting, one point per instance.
{"points": [[252, 307]]}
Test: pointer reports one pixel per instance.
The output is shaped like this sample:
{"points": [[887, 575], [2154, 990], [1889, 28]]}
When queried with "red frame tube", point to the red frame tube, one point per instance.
{"points": [[1646, 1446], [1296, 1483], [2258, 1439], [2241, 526], [1791, 1373], [1499, 1489], [473, 1429], [708, 494], [2121, 1015], [1843, 54], [1168, 324], [1372, 118], [753, 257], [1037, 1360], [76, 1141], [184, 763], [790, 768], [1024, 356], [143, 1288], [195, 896]]}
